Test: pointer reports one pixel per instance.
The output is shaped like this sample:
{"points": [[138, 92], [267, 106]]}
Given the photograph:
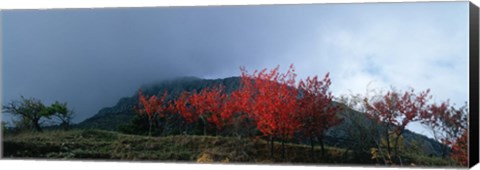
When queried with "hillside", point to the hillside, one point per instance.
{"points": [[107, 145], [112, 118]]}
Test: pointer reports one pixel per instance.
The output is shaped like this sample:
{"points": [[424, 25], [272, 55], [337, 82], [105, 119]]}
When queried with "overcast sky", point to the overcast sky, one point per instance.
{"points": [[92, 57]]}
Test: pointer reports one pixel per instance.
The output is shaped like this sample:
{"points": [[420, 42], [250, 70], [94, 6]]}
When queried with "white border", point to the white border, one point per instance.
{"points": [[61, 4], [123, 165]]}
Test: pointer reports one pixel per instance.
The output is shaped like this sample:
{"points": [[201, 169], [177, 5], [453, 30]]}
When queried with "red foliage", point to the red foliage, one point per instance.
{"points": [[210, 104], [163, 107], [460, 149], [153, 105], [449, 126], [397, 110], [273, 101], [241, 99], [316, 111], [149, 104], [183, 106]]}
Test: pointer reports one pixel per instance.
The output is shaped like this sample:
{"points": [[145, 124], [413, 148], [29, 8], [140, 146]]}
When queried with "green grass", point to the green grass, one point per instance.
{"points": [[106, 145], [424, 160]]}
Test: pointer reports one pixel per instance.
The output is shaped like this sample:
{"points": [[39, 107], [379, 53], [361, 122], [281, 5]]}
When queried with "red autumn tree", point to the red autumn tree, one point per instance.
{"points": [[273, 103], [316, 111], [209, 105], [449, 126], [460, 149], [239, 105], [183, 107], [152, 107], [395, 111], [457, 131]]}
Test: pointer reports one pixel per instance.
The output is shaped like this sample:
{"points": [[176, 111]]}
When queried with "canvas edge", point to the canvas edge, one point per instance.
{"points": [[474, 85]]}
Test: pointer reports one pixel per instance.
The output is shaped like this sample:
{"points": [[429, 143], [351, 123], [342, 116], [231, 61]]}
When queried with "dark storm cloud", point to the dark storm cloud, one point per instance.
{"points": [[92, 57]]}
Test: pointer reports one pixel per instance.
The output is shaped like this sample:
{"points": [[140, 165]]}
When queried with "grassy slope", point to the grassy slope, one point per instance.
{"points": [[106, 145]]}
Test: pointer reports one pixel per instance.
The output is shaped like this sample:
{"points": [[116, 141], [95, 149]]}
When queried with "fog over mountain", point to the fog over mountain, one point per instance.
{"points": [[91, 58]]}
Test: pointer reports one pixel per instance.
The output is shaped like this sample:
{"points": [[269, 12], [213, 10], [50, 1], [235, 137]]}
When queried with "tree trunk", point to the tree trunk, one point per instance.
{"points": [[396, 147], [444, 150], [150, 126], [218, 131], [204, 122], [38, 128], [161, 128], [36, 125], [312, 148], [389, 150], [345, 153], [381, 151], [322, 146], [65, 126], [283, 148], [271, 146]]}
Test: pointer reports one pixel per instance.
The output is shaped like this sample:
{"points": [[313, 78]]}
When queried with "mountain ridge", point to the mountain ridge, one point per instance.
{"points": [[111, 118]]}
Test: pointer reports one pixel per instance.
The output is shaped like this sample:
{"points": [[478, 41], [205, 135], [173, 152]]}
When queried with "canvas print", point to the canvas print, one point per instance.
{"points": [[373, 84]]}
